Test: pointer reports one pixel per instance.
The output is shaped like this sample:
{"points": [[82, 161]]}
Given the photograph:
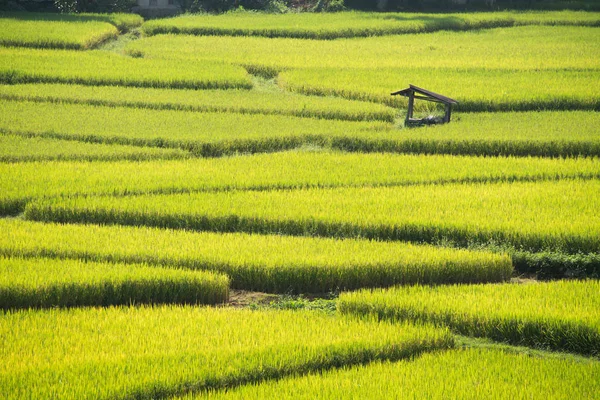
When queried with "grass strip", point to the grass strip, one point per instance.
{"points": [[519, 214], [295, 169], [269, 263], [105, 68], [156, 352], [44, 283], [467, 374], [561, 315], [355, 24], [240, 101], [19, 149]]}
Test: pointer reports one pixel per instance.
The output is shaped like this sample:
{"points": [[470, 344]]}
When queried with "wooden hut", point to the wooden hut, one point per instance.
{"points": [[414, 92]]}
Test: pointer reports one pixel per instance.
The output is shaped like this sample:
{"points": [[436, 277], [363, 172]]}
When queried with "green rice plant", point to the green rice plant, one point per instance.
{"points": [[355, 24], [123, 21], [216, 134], [269, 263], [295, 169], [561, 315], [530, 48], [544, 134], [19, 149], [105, 68], [206, 134], [44, 283], [459, 374], [55, 34], [241, 101], [519, 214], [475, 89], [157, 352]]}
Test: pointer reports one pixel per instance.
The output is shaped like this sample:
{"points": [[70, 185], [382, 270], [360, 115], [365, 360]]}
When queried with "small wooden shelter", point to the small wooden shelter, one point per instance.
{"points": [[414, 92]]}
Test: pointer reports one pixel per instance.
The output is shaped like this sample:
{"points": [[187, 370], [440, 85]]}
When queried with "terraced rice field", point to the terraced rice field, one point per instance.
{"points": [[230, 206], [559, 315]]}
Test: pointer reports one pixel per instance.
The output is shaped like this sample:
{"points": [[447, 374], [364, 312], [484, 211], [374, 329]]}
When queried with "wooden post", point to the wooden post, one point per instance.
{"points": [[448, 112], [411, 103]]}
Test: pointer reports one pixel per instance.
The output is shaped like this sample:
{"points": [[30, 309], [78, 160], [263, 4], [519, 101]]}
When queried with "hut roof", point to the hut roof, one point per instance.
{"points": [[428, 94]]}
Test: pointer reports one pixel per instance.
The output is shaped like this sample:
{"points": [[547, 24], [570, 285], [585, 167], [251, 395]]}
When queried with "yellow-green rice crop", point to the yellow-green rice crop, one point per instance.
{"points": [[353, 24], [530, 48], [466, 374], [475, 89], [43, 283], [54, 34], [545, 134], [19, 149], [154, 352], [123, 21], [241, 101], [552, 215], [561, 315], [105, 68], [271, 263], [214, 134], [208, 134], [23, 182]]}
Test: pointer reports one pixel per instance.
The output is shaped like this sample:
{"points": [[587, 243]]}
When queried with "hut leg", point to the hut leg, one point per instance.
{"points": [[411, 103], [448, 113]]}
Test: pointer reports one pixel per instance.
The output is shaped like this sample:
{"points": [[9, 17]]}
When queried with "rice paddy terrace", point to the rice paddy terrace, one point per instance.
{"points": [[230, 206]]}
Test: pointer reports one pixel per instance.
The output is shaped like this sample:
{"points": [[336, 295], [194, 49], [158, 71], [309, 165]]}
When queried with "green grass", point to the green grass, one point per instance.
{"points": [[560, 315], [530, 48], [44, 283], [459, 374], [474, 89], [520, 214], [355, 24], [155, 352], [105, 68], [270, 263], [241, 101], [296, 169], [20, 149]]}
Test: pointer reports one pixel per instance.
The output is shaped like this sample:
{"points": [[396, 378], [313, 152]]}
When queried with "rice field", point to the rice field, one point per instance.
{"points": [[20, 183], [47, 283], [15, 148], [560, 315], [150, 352], [204, 134], [213, 206], [356, 24], [18, 65], [467, 374], [556, 48], [554, 65], [239, 101], [62, 31], [520, 214], [269, 263], [210, 134], [477, 90], [55, 34]]}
